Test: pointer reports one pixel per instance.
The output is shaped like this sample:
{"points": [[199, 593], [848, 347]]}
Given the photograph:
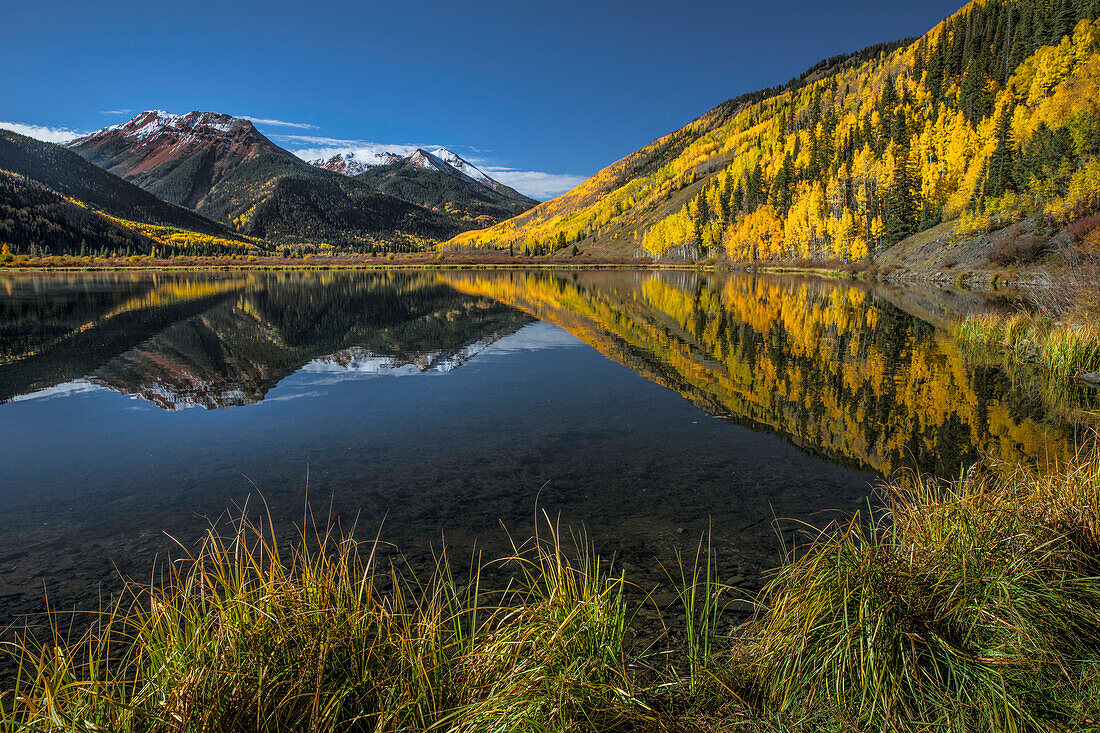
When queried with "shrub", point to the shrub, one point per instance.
{"points": [[1083, 226], [1022, 249]]}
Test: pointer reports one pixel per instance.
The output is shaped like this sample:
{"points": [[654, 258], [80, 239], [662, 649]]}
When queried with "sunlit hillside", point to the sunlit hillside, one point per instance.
{"points": [[988, 118]]}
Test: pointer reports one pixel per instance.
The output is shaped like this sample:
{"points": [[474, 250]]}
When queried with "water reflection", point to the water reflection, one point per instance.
{"points": [[181, 341], [865, 376], [445, 404], [869, 377]]}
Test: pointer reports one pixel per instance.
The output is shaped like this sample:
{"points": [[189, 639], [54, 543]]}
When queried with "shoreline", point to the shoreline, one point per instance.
{"points": [[989, 280]]}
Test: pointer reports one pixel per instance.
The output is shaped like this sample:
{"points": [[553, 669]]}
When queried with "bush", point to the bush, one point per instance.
{"points": [[1021, 250], [1083, 226]]}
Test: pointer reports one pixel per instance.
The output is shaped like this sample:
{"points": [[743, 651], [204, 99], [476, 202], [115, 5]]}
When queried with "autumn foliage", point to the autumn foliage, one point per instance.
{"points": [[988, 118]]}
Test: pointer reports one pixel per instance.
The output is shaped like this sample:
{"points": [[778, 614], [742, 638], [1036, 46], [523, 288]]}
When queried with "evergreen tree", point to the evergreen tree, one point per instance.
{"points": [[999, 173]]}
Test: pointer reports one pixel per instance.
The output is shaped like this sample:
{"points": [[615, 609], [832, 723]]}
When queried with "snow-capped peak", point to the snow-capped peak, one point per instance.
{"points": [[154, 122], [441, 160], [146, 124], [423, 159], [355, 162], [462, 165]]}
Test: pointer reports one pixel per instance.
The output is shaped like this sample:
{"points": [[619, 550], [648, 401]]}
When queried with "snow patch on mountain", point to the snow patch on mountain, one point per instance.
{"points": [[355, 162], [156, 122], [462, 165]]}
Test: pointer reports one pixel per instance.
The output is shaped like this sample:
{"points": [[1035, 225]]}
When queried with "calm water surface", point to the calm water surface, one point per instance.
{"points": [[448, 406]]}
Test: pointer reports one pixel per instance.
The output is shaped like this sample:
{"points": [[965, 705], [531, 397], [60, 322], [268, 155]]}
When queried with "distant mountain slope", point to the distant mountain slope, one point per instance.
{"points": [[430, 180], [989, 117], [354, 163], [441, 180], [225, 169], [66, 173]]}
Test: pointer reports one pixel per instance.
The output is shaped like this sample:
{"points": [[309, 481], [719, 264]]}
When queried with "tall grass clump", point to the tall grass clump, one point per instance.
{"points": [[241, 636], [1048, 355], [556, 659], [1067, 352], [988, 336], [967, 606]]}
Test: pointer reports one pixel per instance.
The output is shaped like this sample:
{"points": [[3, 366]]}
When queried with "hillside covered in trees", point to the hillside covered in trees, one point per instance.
{"points": [[989, 118], [71, 176], [53, 202]]}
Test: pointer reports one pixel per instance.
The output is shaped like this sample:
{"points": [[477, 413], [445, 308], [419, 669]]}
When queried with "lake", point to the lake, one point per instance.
{"points": [[456, 407]]}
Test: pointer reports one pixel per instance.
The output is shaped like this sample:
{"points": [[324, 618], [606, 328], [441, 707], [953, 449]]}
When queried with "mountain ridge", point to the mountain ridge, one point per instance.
{"points": [[440, 180], [70, 175], [225, 169]]}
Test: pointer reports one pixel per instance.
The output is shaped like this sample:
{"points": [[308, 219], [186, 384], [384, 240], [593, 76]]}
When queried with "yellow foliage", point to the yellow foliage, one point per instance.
{"points": [[1082, 194], [756, 236], [761, 349], [840, 212]]}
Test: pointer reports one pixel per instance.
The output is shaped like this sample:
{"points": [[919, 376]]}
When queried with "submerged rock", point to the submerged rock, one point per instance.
{"points": [[1090, 378]]}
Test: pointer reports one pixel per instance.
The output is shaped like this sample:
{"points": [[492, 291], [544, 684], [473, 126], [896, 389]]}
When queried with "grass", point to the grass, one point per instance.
{"points": [[1049, 354], [699, 591], [969, 605], [239, 636]]}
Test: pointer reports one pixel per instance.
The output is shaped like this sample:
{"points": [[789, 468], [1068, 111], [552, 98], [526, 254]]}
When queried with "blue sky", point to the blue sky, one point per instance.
{"points": [[541, 94]]}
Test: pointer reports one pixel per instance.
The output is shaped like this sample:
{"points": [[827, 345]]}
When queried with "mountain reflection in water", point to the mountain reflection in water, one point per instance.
{"points": [[225, 342], [869, 377], [866, 376]]}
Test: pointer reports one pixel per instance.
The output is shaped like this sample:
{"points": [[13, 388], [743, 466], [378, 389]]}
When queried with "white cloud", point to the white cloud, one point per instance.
{"points": [[313, 140], [115, 111], [534, 337], [312, 147], [65, 389], [41, 132], [536, 184], [278, 123]]}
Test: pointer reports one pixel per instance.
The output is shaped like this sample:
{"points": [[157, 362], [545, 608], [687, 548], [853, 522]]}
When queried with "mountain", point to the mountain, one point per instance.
{"points": [[69, 175], [441, 180], [52, 201], [226, 170], [458, 189], [178, 158], [990, 117], [354, 163]]}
